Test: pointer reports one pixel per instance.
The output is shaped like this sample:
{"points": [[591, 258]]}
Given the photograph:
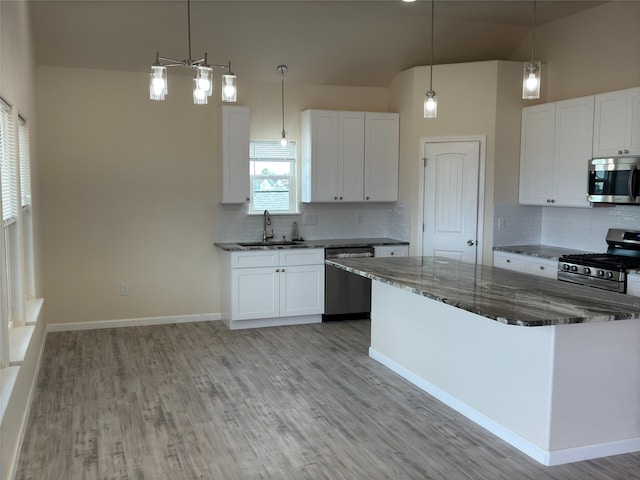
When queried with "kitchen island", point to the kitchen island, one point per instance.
{"points": [[550, 367]]}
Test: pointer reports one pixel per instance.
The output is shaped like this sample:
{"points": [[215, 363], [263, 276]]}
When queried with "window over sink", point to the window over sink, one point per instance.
{"points": [[273, 177]]}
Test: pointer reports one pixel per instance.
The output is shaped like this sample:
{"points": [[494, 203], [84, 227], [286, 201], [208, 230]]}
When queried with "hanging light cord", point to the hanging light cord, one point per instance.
{"points": [[189, 26], [431, 68], [282, 72], [533, 42]]}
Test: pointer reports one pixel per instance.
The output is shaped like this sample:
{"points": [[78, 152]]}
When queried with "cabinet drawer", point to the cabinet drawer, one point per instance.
{"points": [[302, 256], [510, 262], [258, 258], [543, 268], [391, 251]]}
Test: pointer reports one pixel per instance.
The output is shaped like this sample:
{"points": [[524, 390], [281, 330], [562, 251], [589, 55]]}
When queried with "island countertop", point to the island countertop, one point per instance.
{"points": [[502, 295]]}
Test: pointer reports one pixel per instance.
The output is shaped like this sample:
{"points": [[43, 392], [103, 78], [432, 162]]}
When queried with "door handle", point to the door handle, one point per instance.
{"points": [[631, 183], [471, 243]]}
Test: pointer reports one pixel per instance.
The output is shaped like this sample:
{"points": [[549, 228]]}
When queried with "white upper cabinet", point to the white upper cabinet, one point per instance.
{"points": [[382, 136], [234, 158], [616, 129], [349, 156], [555, 151]]}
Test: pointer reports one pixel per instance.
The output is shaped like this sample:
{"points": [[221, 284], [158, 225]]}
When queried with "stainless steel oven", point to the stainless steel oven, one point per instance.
{"points": [[347, 296], [604, 270]]}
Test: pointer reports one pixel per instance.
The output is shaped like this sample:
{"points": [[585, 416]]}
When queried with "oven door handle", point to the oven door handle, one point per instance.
{"points": [[631, 184]]}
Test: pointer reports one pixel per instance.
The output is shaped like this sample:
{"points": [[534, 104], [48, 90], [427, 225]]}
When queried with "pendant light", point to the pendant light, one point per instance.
{"points": [[531, 76], [282, 69], [430, 101], [203, 81]]}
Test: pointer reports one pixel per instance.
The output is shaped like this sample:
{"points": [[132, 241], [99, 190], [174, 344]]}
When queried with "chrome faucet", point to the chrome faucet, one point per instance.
{"points": [[266, 220]]}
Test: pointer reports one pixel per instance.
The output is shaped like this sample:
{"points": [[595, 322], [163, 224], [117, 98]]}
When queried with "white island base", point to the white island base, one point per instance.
{"points": [[559, 393]]}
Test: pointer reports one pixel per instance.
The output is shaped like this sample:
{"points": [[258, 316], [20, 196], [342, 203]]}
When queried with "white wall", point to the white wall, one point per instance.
{"points": [[129, 190], [17, 87]]}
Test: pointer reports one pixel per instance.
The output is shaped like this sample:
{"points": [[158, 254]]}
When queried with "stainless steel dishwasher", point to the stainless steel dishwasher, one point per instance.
{"points": [[347, 296]]}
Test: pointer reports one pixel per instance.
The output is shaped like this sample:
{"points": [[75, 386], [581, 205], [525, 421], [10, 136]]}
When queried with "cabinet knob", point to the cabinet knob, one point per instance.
{"points": [[247, 199], [392, 253], [508, 261], [277, 270], [340, 198], [626, 151], [619, 152], [541, 267], [335, 198], [367, 198], [282, 270]]}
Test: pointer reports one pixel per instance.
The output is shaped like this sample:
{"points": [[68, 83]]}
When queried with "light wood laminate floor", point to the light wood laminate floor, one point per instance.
{"points": [[197, 401]]}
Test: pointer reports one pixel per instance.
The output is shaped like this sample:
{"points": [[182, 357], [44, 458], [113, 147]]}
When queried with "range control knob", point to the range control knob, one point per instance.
{"points": [[565, 266], [586, 270], [609, 274], [600, 273], [574, 268]]}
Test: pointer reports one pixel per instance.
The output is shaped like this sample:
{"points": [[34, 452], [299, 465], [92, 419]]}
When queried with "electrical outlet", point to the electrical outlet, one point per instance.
{"points": [[309, 219], [501, 223], [124, 289]]}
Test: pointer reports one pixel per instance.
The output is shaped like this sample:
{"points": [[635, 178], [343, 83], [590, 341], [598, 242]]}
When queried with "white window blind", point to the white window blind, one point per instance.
{"points": [[8, 165], [25, 162]]}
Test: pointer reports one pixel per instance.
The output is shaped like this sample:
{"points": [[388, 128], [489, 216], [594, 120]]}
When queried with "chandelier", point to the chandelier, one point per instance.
{"points": [[203, 81]]}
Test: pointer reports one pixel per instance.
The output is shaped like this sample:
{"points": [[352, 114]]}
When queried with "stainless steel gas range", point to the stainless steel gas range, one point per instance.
{"points": [[604, 270]]}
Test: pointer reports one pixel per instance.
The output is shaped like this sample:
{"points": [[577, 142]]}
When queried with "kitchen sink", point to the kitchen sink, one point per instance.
{"points": [[269, 244]]}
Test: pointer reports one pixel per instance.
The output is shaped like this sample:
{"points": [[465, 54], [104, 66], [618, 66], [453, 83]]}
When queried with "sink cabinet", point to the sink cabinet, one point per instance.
{"points": [[349, 156], [273, 287]]}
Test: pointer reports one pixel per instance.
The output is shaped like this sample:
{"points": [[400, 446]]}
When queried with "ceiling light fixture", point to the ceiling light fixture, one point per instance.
{"points": [[203, 81], [282, 69], [430, 101], [531, 77]]}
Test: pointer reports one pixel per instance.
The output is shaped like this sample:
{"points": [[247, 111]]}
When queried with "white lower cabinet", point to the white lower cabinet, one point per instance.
{"points": [[526, 264], [273, 287], [633, 284], [391, 251]]}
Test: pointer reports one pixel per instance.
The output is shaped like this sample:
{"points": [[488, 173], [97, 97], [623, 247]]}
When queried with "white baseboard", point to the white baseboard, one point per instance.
{"points": [[545, 457], [273, 322], [133, 322]]}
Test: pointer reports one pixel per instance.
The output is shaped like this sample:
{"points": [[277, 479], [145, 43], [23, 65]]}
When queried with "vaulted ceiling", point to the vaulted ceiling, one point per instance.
{"points": [[339, 42]]}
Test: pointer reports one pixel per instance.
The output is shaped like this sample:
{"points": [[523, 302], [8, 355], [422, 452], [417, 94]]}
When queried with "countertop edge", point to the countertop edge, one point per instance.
{"points": [[548, 252], [328, 243]]}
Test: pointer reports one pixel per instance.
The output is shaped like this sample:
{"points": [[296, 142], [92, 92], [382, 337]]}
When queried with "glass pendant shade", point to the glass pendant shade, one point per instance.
{"points": [[430, 105], [229, 89], [158, 82], [205, 80], [199, 96], [531, 80]]}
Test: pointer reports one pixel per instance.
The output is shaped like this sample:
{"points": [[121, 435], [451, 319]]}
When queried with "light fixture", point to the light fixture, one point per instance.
{"points": [[203, 81], [282, 69], [531, 76], [430, 101]]}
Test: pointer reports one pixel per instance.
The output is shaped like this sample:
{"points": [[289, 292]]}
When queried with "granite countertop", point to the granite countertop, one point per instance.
{"points": [[327, 243], [503, 295], [542, 251]]}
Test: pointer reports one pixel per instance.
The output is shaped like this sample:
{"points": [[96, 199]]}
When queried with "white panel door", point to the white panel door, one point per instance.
{"points": [[255, 293], [301, 290], [451, 200], [382, 137], [350, 156]]}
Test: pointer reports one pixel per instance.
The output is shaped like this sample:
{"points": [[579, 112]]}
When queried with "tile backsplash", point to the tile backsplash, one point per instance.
{"points": [[318, 222], [580, 228]]}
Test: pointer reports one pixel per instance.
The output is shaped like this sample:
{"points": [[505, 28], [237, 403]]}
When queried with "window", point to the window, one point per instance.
{"points": [[9, 187], [273, 177], [25, 201]]}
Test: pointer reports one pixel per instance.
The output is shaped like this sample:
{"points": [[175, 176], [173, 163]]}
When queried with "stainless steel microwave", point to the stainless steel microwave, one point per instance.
{"points": [[614, 180]]}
